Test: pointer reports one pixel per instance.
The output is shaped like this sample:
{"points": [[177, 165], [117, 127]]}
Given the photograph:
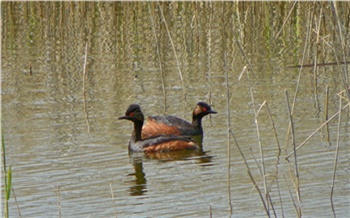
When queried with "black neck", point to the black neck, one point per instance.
{"points": [[197, 122], [136, 135]]}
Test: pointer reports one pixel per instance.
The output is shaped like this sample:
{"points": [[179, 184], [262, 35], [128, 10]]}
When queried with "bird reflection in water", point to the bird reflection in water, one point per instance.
{"points": [[139, 185]]}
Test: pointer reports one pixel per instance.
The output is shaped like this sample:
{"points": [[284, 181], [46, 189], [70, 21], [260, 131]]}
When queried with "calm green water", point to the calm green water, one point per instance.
{"points": [[68, 151]]}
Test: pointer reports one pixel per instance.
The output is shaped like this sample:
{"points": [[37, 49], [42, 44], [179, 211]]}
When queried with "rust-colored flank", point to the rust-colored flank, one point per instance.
{"points": [[175, 145]]}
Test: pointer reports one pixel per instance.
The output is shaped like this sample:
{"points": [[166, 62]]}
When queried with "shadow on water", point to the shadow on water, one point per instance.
{"points": [[139, 185]]}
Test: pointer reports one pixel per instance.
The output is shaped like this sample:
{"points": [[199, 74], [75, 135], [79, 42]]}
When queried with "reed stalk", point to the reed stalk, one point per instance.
{"points": [[256, 186], [209, 40], [336, 158], [267, 194], [278, 154], [240, 48], [317, 29], [262, 171], [343, 49], [210, 212], [228, 123], [151, 11], [173, 46], [326, 113], [297, 186], [286, 19], [7, 178], [115, 209], [318, 64], [314, 132], [291, 196], [280, 198], [274, 130], [59, 202], [300, 73], [84, 90], [14, 197], [271, 203]]}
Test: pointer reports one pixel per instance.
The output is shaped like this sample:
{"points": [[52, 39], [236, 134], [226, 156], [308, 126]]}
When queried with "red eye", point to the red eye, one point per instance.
{"points": [[131, 114], [204, 109]]}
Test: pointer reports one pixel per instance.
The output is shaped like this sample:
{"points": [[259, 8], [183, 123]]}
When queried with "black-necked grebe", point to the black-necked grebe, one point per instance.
{"points": [[156, 143], [171, 125]]}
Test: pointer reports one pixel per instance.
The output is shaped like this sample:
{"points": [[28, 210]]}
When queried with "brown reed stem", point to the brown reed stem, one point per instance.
{"points": [[267, 193], [320, 127], [14, 197], [173, 46], [278, 154], [240, 48], [59, 202], [228, 122], [300, 70], [343, 49], [280, 197], [336, 157], [210, 212], [285, 20], [209, 40], [326, 113], [274, 131], [291, 196], [259, 192], [250, 174], [297, 187], [271, 203], [262, 171], [151, 11]]}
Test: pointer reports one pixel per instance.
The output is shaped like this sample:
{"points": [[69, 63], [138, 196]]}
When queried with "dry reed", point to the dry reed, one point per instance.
{"points": [[59, 202], [318, 129], [285, 20], [228, 122], [300, 72], [151, 11], [210, 212], [14, 197], [277, 156], [326, 113], [336, 158], [256, 186], [297, 184], [7, 177], [262, 167], [84, 89], [291, 196], [173, 46], [113, 199]]}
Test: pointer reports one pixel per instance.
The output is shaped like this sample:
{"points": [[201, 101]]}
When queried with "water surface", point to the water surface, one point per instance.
{"points": [[68, 151]]}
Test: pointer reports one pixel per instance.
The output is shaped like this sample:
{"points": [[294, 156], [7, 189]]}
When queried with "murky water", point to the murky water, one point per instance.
{"points": [[68, 151]]}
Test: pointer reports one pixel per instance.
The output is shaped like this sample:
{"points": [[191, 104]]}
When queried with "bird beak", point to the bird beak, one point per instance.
{"points": [[213, 112], [121, 118]]}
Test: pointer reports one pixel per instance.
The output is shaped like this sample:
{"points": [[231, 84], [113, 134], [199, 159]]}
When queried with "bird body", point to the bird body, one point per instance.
{"points": [[171, 125], [159, 143]]}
